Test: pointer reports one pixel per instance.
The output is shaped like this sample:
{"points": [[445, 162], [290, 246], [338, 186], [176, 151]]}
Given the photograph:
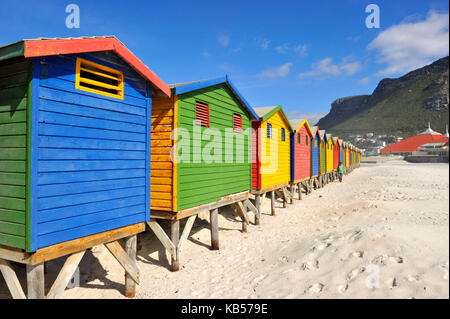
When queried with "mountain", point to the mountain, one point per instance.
{"points": [[401, 106]]}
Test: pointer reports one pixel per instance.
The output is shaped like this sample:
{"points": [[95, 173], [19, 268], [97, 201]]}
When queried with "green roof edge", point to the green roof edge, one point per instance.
{"points": [[12, 51], [273, 111]]}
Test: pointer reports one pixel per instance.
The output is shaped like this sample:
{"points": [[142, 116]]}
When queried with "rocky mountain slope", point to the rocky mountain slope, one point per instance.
{"points": [[401, 106]]}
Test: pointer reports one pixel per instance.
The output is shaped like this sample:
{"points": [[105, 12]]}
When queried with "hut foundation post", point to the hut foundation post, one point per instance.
{"points": [[35, 281], [214, 222], [130, 248], [258, 207], [299, 190], [175, 238], [272, 202], [292, 193]]}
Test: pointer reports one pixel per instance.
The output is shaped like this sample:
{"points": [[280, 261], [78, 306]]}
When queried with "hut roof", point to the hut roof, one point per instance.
{"points": [[30, 48], [322, 134], [297, 123], [267, 111], [186, 87]]}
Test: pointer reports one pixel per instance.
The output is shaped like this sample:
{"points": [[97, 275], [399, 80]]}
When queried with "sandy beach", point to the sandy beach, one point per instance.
{"points": [[381, 233]]}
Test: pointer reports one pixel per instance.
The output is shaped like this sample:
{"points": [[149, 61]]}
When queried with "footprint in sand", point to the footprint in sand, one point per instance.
{"points": [[342, 288], [316, 288], [413, 278], [398, 260], [309, 265], [321, 246], [355, 272], [391, 282], [381, 260], [353, 235], [358, 254]]}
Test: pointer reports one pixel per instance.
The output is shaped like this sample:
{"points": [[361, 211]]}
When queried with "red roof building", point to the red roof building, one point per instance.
{"points": [[412, 144]]}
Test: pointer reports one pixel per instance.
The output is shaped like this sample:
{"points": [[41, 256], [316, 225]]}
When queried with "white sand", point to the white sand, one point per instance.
{"points": [[387, 222]]}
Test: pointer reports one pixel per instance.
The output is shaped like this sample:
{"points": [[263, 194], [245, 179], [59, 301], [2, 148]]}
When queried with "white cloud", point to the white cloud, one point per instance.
{"points": [[355, 38], [312, 117], [364, 81], [206, 54], [224, 40], [265, 44], [282, 48], [411, 45], [326, 67], [278, 72], [301, 49]]}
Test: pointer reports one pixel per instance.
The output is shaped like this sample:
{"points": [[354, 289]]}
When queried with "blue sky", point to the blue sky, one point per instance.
{"points": [[299, 54]]}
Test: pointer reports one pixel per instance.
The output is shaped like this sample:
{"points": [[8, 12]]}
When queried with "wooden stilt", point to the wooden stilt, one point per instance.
{"points": [[299, 189], [272, 202], [292, 192], [64, 276], [258, 207], [35, 281], [214, 223], [130, 249], [124, 260], [175, 238], [11, 280]]}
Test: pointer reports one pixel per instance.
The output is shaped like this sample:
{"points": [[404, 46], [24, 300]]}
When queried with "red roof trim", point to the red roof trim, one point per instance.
{"points": [[36, 48]]}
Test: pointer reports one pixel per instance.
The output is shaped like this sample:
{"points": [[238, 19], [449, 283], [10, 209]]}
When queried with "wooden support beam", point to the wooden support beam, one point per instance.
{"points": [[130, 249], [214, 223], [249, 206], [241, 211], [272, 202], [175, 238], [11, 280], [124, 260], [36, 281], [14, 254], [258, 208], [299, 189], [162, 236], [292, 192], [65, 275], [185, 233], [76, 245]]}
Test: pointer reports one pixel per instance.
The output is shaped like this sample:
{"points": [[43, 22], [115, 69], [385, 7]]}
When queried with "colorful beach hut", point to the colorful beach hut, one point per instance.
{"points": [[271, 148], [199, 171], [329, 152], [323, 156], [206, 162], [336, 152], [347, 155], [341, 151], [301, 148], [74, 145], [315, 155]]}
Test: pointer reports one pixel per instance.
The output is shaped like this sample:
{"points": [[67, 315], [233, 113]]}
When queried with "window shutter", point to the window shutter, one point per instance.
{"points": [[237, 123], [96, 78], [269, 130], [298, 138], [283, 135], [202, 114]]}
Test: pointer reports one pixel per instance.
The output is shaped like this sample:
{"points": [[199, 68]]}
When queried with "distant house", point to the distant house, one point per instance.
{"points": [[412, 144]]}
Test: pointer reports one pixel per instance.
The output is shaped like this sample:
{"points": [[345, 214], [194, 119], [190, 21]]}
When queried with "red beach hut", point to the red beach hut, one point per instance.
{"points": [[301, 151]]}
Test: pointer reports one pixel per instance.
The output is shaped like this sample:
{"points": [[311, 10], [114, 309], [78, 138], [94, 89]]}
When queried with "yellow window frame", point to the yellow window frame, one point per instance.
{"points": [[118, 76]]}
